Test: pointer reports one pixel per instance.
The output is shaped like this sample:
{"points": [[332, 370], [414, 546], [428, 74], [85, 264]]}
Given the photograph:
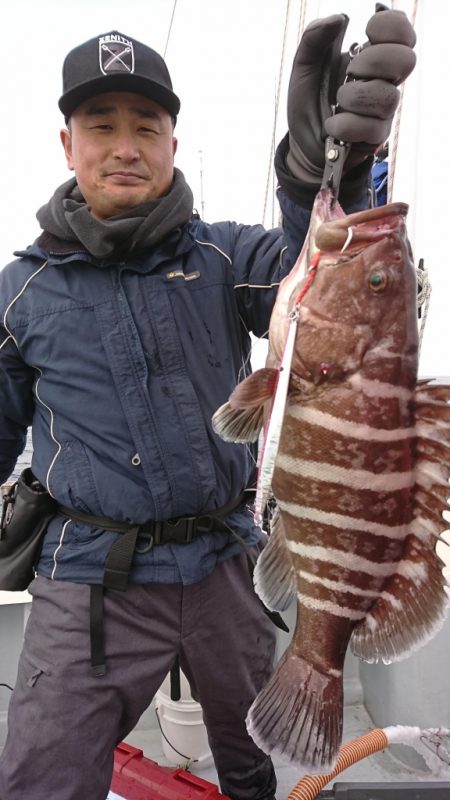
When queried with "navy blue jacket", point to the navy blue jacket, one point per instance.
{"points": [[119, 367]]}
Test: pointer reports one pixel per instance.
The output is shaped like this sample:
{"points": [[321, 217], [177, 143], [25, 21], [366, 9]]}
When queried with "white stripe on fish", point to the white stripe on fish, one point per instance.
{"points": [[380, 389], [425, 528], [342, 558], [432, 431], [336, 586], [428, 474], [340, 586], [355, 478], [413, 571], [341, 521], [314, 604], [355, 430]]}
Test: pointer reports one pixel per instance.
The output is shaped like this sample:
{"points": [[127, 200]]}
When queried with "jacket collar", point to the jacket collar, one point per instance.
{"points": [[58, 252]]}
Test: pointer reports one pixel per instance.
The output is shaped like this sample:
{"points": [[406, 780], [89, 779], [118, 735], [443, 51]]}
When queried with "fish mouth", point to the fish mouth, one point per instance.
{"points": [[361, 228]]}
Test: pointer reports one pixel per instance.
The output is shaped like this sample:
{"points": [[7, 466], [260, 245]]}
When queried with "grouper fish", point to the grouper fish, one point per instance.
{"points": [[360, 477]]}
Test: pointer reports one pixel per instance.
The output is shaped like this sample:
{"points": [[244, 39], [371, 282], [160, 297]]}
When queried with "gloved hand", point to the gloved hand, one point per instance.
{"points": [[366, 101]]}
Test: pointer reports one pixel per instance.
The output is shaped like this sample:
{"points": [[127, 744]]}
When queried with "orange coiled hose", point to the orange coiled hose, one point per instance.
{"points": [[310, 785]]}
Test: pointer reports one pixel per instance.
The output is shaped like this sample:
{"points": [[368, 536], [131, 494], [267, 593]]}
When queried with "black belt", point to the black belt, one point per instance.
{"points": [[181, 530]]}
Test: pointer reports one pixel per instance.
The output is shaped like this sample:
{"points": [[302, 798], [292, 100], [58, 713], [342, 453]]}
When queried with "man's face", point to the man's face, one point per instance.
{"points": [[121, 148]]}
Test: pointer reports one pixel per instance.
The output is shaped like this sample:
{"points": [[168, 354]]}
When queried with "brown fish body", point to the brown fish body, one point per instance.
{"points": [[344, 464], [360, 479]]}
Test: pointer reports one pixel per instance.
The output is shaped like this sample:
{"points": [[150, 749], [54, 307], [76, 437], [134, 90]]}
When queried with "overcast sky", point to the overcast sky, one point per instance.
{"points": [[224, 57]]}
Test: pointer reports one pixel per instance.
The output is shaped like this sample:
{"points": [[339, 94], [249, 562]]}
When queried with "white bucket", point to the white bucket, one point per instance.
{"points": [[182, 726]]}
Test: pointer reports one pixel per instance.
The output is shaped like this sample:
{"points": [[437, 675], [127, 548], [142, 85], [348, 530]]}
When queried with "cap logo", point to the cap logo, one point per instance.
{"points": [[116, 54]]}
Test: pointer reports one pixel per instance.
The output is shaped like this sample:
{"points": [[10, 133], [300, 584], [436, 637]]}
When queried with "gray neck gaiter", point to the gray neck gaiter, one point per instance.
{"points": [[67, 216]]}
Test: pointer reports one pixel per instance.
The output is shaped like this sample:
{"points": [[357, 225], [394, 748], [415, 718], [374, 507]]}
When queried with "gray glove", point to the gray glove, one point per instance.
{"points": [[367, 100]]}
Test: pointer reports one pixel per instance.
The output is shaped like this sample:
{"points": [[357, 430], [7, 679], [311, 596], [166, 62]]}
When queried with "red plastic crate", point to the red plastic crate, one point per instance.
{"points": [[136, 777]]}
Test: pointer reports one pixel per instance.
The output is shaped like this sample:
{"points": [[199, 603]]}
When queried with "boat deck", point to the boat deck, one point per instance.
{"points": [[380, 767]]}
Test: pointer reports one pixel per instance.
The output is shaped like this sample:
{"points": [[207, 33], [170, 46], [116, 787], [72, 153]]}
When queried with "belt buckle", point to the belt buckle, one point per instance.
{"points": [[189, 529]]}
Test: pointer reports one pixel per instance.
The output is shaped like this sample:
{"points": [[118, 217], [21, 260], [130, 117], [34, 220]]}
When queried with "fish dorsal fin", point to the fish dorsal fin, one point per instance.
{"points": [[274, 577], [242, 417], [414, 602], [409, 612]]}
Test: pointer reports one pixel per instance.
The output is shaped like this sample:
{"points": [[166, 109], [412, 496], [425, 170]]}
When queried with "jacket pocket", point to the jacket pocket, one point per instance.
{"points": [[81, 488]]}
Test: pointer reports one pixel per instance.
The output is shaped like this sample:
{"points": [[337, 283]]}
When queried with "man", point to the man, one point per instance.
{"points": [[123, 328]]}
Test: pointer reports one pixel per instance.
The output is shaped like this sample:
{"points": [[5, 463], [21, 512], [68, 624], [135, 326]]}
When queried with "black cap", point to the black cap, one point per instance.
{"points": [[113, 62]]}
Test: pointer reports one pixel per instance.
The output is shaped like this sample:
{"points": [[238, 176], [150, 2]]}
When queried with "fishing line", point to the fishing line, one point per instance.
{"points": [[243, 372], [311, 275], [348, 239]]}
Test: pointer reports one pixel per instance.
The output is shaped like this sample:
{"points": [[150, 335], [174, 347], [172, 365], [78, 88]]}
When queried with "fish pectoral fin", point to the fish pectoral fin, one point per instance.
{"points": [[242, 417], [274, 577], [256, 389], [298, 715], [410, 610], [237, 425]]}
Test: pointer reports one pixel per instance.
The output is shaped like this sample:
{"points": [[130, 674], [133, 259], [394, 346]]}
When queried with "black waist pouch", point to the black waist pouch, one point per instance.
{"points": [[26, 511]]}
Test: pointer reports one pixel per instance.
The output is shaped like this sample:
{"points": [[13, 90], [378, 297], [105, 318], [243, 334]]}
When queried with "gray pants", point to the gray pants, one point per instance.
{"points": [[64, 723]]}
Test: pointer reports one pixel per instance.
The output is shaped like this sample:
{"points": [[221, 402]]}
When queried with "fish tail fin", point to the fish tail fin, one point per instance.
{"points": [[274, 577], [242, 417], [298, 714]]}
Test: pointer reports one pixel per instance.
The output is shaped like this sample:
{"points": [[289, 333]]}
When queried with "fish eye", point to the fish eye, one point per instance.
{"points": [[378, 281]]}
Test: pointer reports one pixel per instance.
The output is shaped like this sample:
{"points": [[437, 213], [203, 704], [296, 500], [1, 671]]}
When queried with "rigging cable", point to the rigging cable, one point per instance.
{"points": [[277, 102], [170, 27], [424, 284], [393, 158], [301, 20]]}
